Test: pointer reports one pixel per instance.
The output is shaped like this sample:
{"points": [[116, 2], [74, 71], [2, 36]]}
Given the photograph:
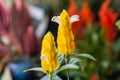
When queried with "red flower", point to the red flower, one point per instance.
{"points": [[73, 10], [86, 14], [107, 19], [94, 77]]}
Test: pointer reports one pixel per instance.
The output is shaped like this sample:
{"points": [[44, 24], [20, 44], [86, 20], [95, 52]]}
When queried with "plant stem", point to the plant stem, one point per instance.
{"points": [[67, 72], [51, 76]]}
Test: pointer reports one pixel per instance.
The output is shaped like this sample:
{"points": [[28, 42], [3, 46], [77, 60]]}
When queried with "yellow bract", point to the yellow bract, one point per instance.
{"points": [[65, 38], [49, 60]]}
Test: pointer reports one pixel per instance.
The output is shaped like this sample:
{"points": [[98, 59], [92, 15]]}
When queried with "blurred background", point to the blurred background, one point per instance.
{"points": [[23, 23]]}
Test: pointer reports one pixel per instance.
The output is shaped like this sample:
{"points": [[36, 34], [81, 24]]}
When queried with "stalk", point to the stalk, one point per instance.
{"points": [[51, 76], [67, 72]]}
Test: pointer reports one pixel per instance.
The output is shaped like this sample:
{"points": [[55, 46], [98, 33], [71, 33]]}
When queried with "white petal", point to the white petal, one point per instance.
{"points": [[74, 18], [56, 19]]}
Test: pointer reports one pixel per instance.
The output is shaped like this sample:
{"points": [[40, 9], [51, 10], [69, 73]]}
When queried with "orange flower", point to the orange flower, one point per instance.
{"points": [[72, 10], [86, 14], [107, 19]]}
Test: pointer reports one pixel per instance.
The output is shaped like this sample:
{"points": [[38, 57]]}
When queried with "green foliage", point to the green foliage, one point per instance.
{"points": [[83, 55], [38, 69], [55, 77], [118, 24], [74, 60], [107, 54], [116, 46], [60, 58], [72, 65], [66, 67]]}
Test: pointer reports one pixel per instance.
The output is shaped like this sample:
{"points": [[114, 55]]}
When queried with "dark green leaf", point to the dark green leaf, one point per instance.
{"points": [[39, 69], [60, 58], [74, 60], [66, 67], [83, 55], [118, 24]]}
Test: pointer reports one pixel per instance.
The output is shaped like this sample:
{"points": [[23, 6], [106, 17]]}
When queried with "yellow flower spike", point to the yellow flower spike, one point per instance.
{"points": [[49, 60], [65, 38]]}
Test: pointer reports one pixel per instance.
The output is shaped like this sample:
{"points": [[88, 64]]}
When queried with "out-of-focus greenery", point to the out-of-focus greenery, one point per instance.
{"points": [[95, 44], [107, 65]]}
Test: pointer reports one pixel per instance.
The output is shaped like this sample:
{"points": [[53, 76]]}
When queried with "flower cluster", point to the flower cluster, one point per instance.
{"points": [[107, 18], [65, 42], [52, 57], [86, 14]]}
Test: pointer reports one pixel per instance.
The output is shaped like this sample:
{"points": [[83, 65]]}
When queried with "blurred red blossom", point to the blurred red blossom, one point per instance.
{"points": [[107, 20], [86, 15], [73, 10], [94, 77]]}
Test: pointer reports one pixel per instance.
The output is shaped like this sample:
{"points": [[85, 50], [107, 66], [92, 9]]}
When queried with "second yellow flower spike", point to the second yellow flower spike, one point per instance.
{"points": [[49, 60]]}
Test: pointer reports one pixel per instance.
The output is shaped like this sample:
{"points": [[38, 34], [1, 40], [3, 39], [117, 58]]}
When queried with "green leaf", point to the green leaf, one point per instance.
{"points": [[66, 67], [79, 73], [74, 60], [118, 24], [39, 69], [116, 47], [45, 77], [55, 77], [60, 58], [83, 55]]}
